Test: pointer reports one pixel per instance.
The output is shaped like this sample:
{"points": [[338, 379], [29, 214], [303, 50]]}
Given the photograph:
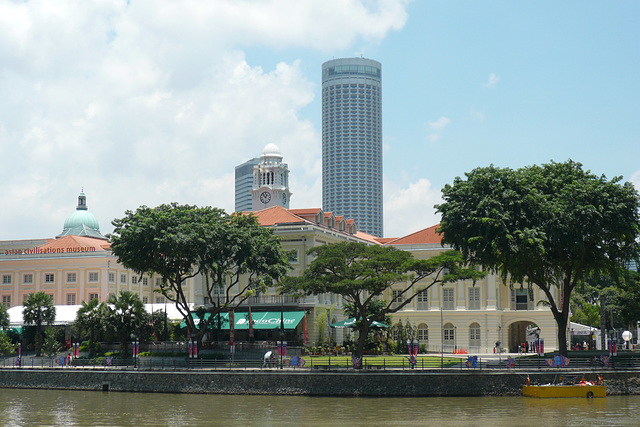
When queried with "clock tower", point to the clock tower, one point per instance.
{"points": [[270, 180]]}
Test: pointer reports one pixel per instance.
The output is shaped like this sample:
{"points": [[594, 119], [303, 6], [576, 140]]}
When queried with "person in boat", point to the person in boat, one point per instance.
{"points": [[585, 382]]}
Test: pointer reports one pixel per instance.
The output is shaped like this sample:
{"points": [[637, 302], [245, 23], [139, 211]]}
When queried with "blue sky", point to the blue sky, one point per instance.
{"points": [[154, 102]]}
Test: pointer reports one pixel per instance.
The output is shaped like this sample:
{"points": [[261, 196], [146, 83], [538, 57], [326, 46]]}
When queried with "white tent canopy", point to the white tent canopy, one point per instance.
{"points": [[66, 314], [579, 329]]}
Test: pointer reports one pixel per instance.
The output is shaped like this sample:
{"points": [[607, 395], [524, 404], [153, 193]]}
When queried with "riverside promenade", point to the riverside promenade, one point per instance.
{"points": [[312, 382]]}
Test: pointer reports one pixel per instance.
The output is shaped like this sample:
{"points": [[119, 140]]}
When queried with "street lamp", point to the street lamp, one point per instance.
{"points": [[626, 336], [281, 344], [413, 352], [455, 339], [135, 344], [441, 337]]}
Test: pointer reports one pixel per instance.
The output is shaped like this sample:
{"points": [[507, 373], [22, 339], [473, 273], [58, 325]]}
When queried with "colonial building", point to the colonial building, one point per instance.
{"points": [[299, 230], [74, 267], [79, 266], [462, 316], [471, 316]]}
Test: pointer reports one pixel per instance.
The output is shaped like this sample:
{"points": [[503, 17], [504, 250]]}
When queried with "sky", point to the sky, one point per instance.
{"points": [[151, 102]]}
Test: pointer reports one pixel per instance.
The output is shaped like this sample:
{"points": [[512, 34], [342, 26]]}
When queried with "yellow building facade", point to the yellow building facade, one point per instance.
{"points": [[472, 317], [78, 266]]}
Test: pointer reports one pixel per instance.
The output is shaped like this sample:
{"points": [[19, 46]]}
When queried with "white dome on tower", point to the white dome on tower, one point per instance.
{"points": [[271, 150]]}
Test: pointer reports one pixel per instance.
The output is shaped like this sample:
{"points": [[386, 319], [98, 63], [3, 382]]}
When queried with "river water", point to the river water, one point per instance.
{"points": [[19, 407]]}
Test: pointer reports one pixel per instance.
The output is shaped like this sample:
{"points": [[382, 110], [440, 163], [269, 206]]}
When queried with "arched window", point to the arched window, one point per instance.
{"points": [[449, 337], [474, 335]]}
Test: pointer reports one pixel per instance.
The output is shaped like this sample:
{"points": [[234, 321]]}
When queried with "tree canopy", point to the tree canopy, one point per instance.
{"points": [[127, 318], [606, 302], [361, 274], [91, 321], [4, 317], [178, 242], [39, 311], [551, 226]]}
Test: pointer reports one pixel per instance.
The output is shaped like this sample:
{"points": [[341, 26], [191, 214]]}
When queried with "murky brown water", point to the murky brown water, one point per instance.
{"points": [[77, 408]]}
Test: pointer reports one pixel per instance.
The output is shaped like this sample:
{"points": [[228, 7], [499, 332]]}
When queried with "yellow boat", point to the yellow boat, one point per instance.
{"points": [[554, 390]]}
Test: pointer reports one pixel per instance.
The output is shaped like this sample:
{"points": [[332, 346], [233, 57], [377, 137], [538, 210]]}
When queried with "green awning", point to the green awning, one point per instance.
{"points": [[261, 320], [351, 323], [224, 320]]}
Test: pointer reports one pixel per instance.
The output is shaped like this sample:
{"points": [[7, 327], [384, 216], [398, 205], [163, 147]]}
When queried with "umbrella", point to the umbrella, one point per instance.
{"points": [[351, 323]]}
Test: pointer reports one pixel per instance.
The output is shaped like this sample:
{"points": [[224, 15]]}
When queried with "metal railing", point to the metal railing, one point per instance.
{"points": [[332, 363]]}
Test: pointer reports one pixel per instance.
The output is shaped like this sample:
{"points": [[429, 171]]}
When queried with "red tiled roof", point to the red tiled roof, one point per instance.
{"points": [[308, 211], [365, 236], [276, 215], [428, 235], [383, 240], [279, 215], [72, 243]]}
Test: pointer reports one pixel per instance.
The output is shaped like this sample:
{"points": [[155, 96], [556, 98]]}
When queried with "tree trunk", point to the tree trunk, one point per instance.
{"points": [[38, 341], [562, 336], [124, 348], [603, 326], [92, 344], [362, 338]]}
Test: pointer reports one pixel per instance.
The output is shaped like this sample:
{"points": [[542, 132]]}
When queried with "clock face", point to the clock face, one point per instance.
{"points": [[265, 197]]}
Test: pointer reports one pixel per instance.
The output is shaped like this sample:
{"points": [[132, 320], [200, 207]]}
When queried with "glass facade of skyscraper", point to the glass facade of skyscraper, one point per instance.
{"points": [[244, 183], [352, 141]]}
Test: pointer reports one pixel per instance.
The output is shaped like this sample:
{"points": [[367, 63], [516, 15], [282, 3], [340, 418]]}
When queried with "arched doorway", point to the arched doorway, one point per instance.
{"points": [[521, 332]]}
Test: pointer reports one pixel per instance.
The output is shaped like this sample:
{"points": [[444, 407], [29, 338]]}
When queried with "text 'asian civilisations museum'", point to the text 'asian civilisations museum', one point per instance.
{"points": [[352, 141]]}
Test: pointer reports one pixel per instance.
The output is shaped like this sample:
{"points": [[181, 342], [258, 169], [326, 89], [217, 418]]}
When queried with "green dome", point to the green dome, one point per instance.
{"points": [[81, 222], [79, 218]]}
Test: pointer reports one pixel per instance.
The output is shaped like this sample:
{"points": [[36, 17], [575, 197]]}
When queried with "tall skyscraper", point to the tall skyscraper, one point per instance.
{"points": [[270, 180], [244, 184], [352, 141]]}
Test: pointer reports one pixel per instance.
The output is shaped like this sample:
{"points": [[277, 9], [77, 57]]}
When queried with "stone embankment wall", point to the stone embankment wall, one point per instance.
{"points": [[385, 384]]}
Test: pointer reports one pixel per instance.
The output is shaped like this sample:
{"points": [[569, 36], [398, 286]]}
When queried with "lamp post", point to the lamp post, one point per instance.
{"points": [[626, 336], [412, 348], [219, 325], [135, 344], [441, 338], [281, 348], [455, 339]]}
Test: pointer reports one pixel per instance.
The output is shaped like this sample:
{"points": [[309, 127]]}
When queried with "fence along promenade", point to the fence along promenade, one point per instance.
{"points": [[591, 362]]}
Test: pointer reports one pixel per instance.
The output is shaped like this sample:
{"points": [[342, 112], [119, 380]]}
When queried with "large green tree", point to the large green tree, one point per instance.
{"points": [[244, 259], [91, 321], [127, 318], [551, 226], [170, 240], [608, 302], [361, 274], [4, 317], [178, 242], [38, 310]]}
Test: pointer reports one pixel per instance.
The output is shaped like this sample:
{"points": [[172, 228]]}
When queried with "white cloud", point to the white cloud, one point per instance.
{"points": [[437, 126], [153, 102], [477, 115], [492, 82], [411, 208]]}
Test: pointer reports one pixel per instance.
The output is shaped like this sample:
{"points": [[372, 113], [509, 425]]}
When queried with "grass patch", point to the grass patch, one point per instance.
{"points": [[386, 361]]}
